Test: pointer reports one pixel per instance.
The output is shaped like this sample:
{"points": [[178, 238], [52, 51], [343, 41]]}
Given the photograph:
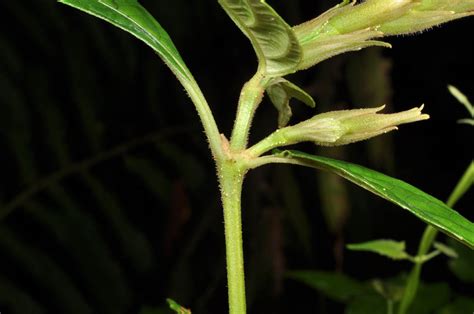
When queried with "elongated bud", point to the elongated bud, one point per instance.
{"points": [[349, 27], [368, 14], [326, 47], [345, 19], [347, 126], [417, 21]]}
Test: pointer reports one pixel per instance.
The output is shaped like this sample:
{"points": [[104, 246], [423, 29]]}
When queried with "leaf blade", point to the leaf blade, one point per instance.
{"points": [[422, 205], [388, 248], [131, 17], [177, 308]]}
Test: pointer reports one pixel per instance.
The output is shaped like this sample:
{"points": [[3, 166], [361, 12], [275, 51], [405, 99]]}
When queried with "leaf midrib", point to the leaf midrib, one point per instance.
{"points": [[170, 53]]}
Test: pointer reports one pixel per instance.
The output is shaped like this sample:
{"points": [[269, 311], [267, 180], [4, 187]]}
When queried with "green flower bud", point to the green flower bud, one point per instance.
{"points": [[326, 47], [427, 14], [368, 14], [346, 19], [349, 27], [347, 126]]}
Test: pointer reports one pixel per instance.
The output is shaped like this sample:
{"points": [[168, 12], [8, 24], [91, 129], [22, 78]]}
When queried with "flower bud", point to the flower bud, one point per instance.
{"points": [[349, 27], [368, 14], [347, 126], [345, 19], [426, 14]]}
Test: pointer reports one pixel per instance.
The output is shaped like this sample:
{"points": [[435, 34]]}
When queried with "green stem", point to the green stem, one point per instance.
{"points": [[429, 235], [274, 140], [231, 176], [466, 181], [250, 97], [205, 114], [389, 307]]}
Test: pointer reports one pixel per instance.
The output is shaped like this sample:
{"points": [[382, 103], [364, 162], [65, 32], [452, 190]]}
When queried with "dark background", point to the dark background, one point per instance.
{"points": [[107, 193]]}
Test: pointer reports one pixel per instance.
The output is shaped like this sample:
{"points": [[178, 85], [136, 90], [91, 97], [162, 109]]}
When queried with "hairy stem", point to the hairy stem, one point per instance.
{"points": [[250, 97], [389, 307], [231, 176], [205, 114], [274, 140]]}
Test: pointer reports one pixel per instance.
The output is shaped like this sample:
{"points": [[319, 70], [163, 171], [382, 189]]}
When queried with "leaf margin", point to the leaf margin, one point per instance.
{"points": [[465, 230]]}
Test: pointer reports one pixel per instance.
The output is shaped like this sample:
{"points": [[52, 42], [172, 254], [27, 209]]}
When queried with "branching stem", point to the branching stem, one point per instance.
{"points": [[250, 97]]}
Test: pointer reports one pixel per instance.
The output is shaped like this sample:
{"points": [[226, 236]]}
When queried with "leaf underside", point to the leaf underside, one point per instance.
{"points": [[280, 93], [274, 41], [422, 205]]}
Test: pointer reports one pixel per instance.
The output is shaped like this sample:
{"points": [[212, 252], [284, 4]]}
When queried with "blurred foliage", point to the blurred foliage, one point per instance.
{"points": [[107, 194], [374, 297]]}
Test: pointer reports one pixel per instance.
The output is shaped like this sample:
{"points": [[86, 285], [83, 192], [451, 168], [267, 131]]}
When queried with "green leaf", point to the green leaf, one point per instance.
{"points": [[462, 267], [422, 205], [389, 289], [430, 297], [465, 102], [446, 250], [336, 286], [130, 16], [177, 308], [388, 248], [364, 304], [462, 99], [459, 305], [280, 92], [275, 44]]}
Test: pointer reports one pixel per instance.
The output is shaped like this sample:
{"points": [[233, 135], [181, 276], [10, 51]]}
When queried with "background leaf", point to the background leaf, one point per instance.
{"points": [[177, 308], [388, 248], [430, 297], [336, 286], [462, 265], [459, 305], [445, 249]]}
